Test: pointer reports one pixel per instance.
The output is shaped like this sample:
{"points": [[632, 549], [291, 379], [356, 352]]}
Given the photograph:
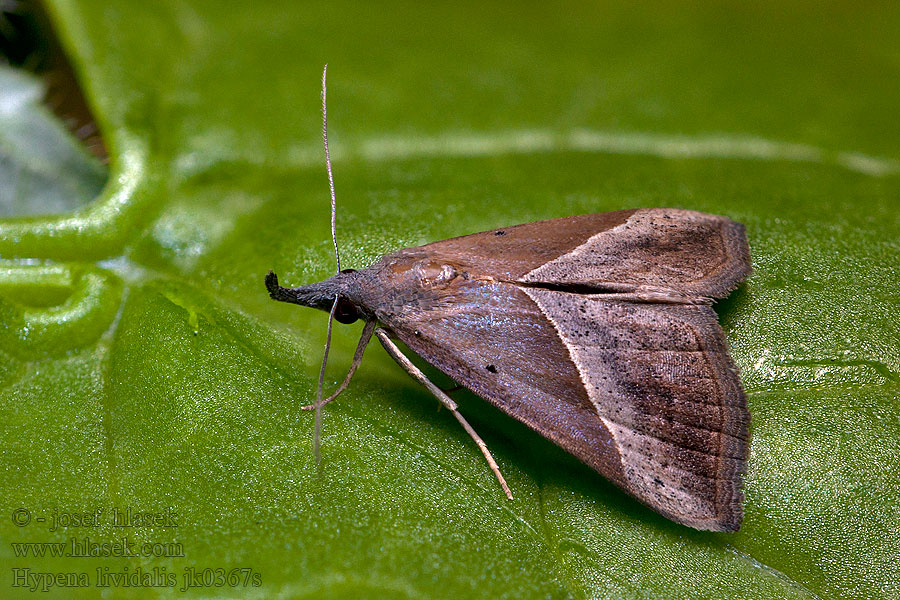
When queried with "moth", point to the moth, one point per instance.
{"points": [[596, 331]]}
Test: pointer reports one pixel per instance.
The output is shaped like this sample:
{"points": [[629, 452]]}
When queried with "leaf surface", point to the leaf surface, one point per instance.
{"points": [[144, 368]]}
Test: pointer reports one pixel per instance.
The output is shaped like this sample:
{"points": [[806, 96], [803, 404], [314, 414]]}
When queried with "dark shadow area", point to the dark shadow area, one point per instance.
{"points": [[28, 41], [729, 307]]}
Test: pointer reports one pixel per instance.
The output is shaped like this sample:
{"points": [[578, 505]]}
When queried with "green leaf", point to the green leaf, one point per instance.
{"points": [[144, 368], [42, 169]]}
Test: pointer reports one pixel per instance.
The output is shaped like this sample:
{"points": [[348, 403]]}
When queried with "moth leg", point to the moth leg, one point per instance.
{"points": [[449, 391], [357, 358], [438, 393]]}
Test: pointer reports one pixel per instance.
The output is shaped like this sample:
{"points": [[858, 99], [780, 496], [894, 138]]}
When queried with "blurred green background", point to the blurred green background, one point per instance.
{"points": [[143, 366]]}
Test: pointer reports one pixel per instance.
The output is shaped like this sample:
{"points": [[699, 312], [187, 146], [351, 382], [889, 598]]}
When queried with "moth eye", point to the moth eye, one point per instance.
{"points": [[345, 271], [346, 312]]}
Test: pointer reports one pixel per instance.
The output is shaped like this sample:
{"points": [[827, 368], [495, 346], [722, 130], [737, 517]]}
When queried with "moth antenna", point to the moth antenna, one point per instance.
{"points": [[337, 254], [319, 402], [337, 258]]}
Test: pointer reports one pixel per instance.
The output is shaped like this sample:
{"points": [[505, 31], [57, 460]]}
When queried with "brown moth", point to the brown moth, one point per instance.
{"points": [[596, 331]]}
